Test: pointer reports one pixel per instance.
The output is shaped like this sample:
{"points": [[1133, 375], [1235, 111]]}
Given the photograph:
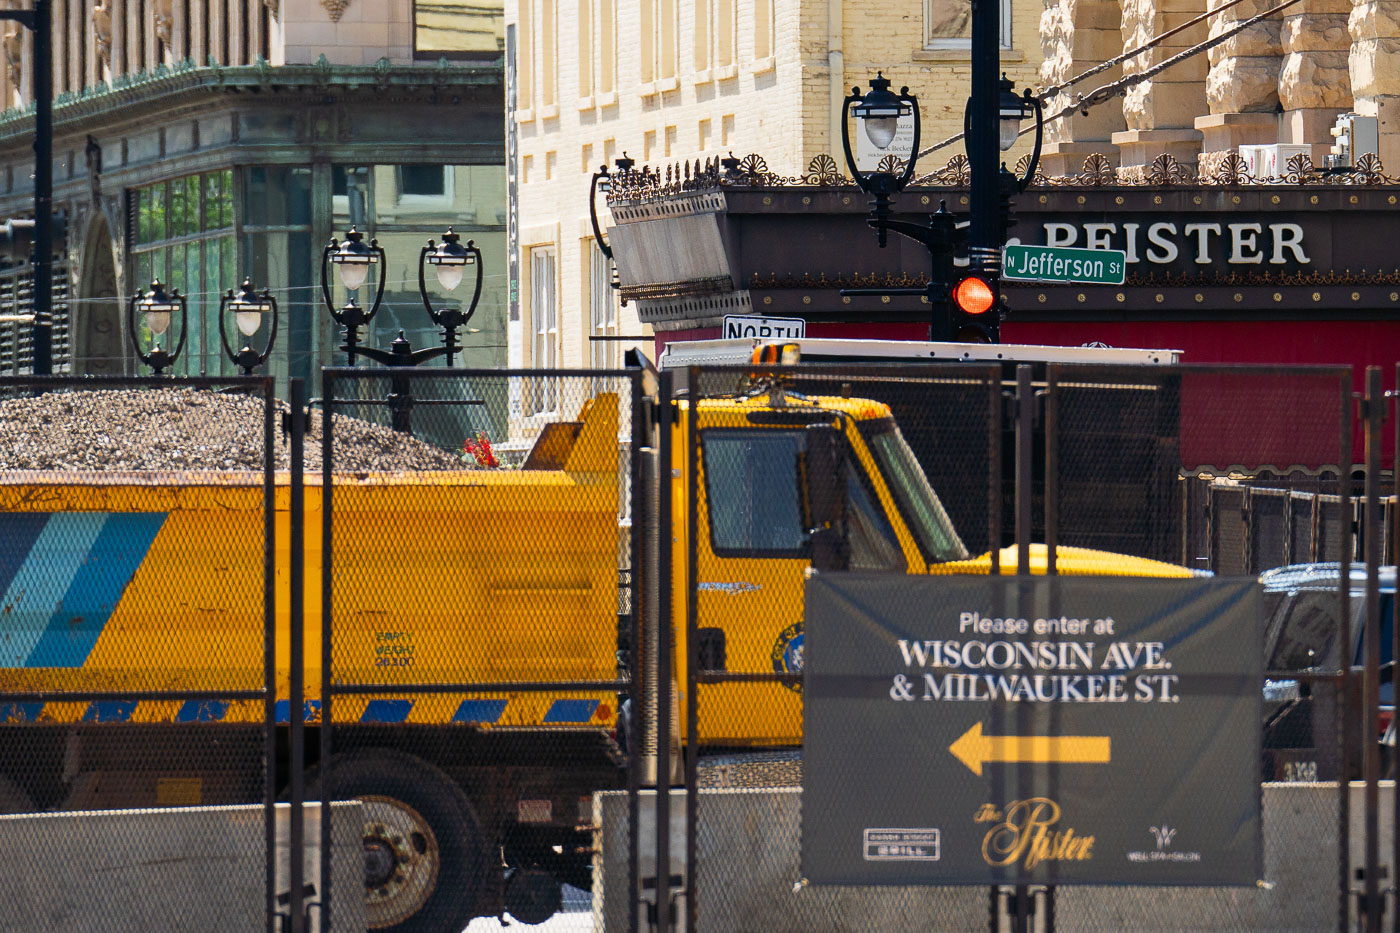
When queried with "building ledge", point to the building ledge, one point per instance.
{"points": [[74, 109]]}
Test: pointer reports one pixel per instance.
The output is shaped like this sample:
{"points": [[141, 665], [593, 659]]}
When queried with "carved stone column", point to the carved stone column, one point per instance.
{"points": [[1074, 35], [1241, 87], [1161, 113], [1375, 70], [1313, 84]]}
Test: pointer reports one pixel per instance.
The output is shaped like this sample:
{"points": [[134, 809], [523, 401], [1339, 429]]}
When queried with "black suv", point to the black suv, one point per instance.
{"points": [[1302, 636]]}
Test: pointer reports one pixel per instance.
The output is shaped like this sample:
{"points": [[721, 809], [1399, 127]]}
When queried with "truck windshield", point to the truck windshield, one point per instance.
{"points": [[917, 502]]}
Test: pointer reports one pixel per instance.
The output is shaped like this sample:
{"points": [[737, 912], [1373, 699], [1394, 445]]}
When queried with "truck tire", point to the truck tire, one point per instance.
{"points": [[424, 852]]}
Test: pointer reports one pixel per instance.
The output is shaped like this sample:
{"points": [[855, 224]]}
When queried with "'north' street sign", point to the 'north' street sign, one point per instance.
{"points": [[738, 325], [1064, 264]]}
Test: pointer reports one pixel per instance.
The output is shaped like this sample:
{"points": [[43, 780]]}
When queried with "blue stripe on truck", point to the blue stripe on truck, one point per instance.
{"points": [[571, 711], [44, 574], [484, 711], [116, 546]]}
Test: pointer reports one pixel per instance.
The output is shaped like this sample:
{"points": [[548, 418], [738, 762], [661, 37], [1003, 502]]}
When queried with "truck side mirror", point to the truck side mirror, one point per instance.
{"points": [[822, 468]]}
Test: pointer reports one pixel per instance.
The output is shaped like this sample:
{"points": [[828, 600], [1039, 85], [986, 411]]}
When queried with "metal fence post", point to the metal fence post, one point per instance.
{"points": [[692, 685], [1374, 417], [1344, 534], [269, 657], [327, 575], [295, 661]]}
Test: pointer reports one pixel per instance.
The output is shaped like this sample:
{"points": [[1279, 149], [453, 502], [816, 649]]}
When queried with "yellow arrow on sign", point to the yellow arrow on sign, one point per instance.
{"points": [[973, 748]]}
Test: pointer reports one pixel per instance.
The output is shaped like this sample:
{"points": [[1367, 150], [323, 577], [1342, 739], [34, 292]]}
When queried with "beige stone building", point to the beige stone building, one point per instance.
{"points": [[1283, 80], [673, 81]]}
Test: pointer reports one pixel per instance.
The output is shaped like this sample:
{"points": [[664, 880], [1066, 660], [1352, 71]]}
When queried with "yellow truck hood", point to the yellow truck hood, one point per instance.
{"points": [[1071, 561]]}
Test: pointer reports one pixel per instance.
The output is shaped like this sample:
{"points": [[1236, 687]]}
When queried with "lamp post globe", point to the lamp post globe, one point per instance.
{"points": [[353, 258], [450, 259]]}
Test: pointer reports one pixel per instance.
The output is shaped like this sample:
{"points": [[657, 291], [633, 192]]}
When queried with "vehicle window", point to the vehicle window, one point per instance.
{"points": [[874, 545], [1387, 685], [915, 498], [1307, 632], [752, 493]]}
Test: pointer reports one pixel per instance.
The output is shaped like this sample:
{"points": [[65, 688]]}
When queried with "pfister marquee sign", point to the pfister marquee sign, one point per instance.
{"points": [[1001, 730]]}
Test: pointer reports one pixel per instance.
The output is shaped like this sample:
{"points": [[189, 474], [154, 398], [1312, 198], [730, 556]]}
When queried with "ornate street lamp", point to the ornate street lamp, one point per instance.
{"points": [[450, 259], [879, 110], [602, 184], [352, 260], [249, 310], [1011, 110], [156, 308]]}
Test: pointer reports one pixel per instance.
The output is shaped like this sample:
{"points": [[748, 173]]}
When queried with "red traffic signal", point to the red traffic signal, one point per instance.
{"points": [[974, 295], [976, 310]]}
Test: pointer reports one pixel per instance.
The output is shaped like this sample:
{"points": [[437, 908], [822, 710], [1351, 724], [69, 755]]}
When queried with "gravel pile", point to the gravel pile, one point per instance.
{"points": [[186, 429]]}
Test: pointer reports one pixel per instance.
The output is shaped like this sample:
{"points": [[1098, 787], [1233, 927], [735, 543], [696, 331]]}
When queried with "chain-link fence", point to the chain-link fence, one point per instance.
{"points": [[1122, 471], [136, 665], [475, 639]]}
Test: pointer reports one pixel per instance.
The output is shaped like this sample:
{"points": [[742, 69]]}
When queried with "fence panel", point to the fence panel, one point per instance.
{"points": [[1259, 433], [917, 458], [136, 562], [477, 646]]}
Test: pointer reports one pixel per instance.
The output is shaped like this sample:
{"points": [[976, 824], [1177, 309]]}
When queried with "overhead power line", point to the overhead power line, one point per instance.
{"points": [[1082, 103]]}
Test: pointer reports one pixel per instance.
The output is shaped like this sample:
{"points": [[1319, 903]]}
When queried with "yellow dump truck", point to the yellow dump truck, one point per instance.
{"points": [[134, 584]]}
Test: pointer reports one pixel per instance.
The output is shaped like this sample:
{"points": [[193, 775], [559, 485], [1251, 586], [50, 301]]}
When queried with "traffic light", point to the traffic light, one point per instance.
{"points": [[976, 310]]}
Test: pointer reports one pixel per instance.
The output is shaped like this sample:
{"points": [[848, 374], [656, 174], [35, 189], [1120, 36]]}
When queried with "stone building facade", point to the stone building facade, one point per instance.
{"points": [[200, 143], [676, 82], [1282, 80]]}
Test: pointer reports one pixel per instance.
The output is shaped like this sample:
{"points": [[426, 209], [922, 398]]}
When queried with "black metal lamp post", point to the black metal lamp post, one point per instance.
{"points": [[249, 310], [602, 184], [39, 21], [352, 260], [450, 259], [157, 307], [879, 111]]}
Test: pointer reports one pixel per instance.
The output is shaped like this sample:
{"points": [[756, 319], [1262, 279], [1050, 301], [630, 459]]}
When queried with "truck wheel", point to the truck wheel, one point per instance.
{"points": [[423, 846]]}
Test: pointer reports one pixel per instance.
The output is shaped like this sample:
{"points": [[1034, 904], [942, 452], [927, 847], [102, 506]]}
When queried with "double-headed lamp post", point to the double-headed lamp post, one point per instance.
{"points": [[965, 308], [353, 259], [157, 309], [249, 310]]}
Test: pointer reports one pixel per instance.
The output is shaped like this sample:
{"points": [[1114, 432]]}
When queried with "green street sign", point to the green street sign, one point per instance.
{"points": [[1064, 264]]}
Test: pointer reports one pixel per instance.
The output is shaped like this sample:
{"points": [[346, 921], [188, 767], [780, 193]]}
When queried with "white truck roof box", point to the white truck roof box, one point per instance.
{"points": [[738, 351]]}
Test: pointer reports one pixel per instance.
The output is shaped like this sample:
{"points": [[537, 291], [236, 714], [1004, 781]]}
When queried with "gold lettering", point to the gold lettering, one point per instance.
{"points": [[1027, 835]]}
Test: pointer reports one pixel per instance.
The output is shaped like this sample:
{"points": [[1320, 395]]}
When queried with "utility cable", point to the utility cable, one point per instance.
{"points": [[1113, 89]]}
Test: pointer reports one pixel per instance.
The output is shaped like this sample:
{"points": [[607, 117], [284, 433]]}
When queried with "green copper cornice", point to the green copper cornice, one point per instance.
{"points": [[162, 84]]}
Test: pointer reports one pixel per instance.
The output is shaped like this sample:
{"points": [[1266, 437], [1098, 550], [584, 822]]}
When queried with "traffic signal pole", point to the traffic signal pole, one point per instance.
{"points": [[43, 190], [39, 22], [983, 150]]}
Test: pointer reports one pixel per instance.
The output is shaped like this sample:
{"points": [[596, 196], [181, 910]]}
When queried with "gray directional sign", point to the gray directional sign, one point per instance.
{"points": [[1064, 264], [1000, 730]]}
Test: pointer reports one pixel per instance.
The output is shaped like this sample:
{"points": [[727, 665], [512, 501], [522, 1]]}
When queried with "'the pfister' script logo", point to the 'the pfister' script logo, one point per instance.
{"points": [[1028, 832]]}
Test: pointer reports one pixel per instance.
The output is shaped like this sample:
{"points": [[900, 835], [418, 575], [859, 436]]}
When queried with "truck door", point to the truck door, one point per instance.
{"points": [[753, 550]]}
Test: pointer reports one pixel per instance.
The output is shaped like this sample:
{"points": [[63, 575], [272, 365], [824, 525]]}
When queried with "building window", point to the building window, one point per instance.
{"points": [[762, 29], [182, 234], [606, 352], [659, 40], [427, 180], [948, 24], [547, 55], [607, 46], [543, 395]]}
